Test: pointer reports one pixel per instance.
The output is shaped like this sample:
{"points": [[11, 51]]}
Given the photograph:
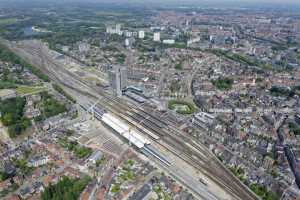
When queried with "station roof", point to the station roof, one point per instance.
{"points": [[125, 130]]}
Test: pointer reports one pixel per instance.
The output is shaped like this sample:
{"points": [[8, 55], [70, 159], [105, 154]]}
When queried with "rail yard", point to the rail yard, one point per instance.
{"points": [[163, 134]]}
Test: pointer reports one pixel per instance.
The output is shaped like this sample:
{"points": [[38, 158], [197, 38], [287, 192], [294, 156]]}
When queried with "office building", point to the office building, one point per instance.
{"points": [[127, 43], [109, 30], [141, 34], [118, 29], [156, 36], [118, 79]]}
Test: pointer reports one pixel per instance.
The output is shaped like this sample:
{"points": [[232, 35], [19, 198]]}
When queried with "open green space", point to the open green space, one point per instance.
{"points": [[181, 107], [28, 90], [3, 176], [7, 85], [176, 45], [294, 128], [285, 91], [12, 116], [66, 188], [21, 165], [281, 91], [115, 188], [120, 58], [78, 150], [179, 66], [8, 21], [50, 106], [263, 193], [223, 83]]}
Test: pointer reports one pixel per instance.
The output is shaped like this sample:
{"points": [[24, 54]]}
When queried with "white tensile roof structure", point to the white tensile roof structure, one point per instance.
{"points": [[125, 130]]}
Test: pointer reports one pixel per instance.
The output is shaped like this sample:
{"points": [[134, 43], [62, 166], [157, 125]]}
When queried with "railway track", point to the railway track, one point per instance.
{"points": [[182, 146], [173, 136], [185, 152]]}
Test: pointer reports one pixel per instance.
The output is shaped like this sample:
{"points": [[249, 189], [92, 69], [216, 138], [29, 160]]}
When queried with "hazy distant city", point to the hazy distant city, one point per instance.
{"points": [[149, 100]]}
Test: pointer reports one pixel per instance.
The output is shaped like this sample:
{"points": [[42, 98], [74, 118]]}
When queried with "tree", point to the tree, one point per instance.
{"points": [[7, 119], [66, 188], [12, 115]]}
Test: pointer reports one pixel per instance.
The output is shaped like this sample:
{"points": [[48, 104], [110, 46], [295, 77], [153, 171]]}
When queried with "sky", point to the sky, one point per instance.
{"points": [[205, 1], [256, 3], [172, 3], [177, 1]]}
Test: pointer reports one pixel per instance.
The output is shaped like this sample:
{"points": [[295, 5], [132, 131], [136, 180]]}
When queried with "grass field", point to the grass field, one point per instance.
{"points": [[8, 21], [27, 90], [181, 107], [104, 13]]}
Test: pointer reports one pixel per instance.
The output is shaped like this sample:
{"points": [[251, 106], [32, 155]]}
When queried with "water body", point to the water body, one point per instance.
{"points": [[28, 31]]}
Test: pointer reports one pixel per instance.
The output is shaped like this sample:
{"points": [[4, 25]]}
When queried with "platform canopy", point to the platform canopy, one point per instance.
{"points": [[125, 130]]}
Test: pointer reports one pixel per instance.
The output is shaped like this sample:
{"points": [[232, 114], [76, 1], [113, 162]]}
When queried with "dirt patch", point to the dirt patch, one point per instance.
{"points": [[3, 133]]}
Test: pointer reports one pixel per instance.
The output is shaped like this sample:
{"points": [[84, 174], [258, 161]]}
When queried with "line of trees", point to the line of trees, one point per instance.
{"points": [[240, 58], [9, 56], [59, 89], [12, 115]]}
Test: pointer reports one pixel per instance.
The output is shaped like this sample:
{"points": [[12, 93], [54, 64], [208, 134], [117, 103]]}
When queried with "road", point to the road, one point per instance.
{"points": [[196, 66], [192, 152]]}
